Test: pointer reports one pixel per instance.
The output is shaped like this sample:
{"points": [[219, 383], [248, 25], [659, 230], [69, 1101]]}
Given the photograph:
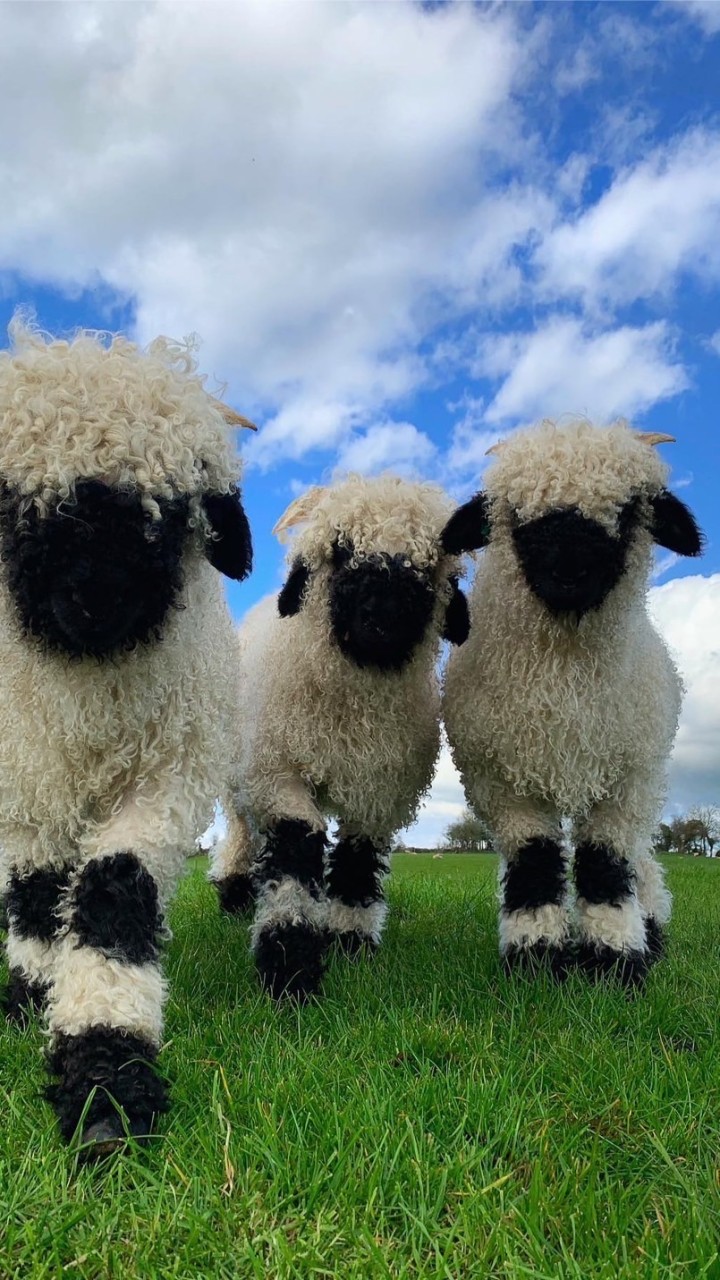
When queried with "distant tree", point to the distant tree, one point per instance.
{"points": [[467, 834], [662, 841], [696, 834]]}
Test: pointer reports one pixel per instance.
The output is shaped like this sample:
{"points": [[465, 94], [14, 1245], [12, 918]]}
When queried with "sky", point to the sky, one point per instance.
{"points": [[400, 231]]}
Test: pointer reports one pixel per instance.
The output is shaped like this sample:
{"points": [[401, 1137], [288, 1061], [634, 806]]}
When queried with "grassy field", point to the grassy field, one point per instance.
{"points": [[430, 1118]]}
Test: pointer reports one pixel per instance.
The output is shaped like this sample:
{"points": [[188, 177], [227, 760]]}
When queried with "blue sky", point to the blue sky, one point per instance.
{"points": [[400, 231]]}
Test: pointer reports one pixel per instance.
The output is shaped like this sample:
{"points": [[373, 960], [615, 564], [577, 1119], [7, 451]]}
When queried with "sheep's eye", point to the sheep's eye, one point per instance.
{"points": [[342, 554]]}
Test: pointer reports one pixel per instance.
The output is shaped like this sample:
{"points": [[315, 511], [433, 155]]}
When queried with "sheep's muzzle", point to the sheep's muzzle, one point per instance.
{"points": [[380, 609], [97, 574], [570, 561]]}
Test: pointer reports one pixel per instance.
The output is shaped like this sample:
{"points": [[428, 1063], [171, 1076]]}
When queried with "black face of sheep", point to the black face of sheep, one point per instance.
{"points": [[380, 607], [97, 575], [571, 562]]}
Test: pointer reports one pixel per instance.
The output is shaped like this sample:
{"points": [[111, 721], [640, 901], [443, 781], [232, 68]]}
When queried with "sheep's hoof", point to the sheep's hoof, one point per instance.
{"points": [[235, 894], [654, 939], [539, 957], [355, 944], [109, 1136], [290, 960], [629, 968], [22, 998]]}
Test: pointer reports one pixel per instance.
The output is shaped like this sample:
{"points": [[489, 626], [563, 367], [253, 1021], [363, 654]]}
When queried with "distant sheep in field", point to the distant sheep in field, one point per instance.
{"points": [[565, 702], [340, 716], [118, 505]]}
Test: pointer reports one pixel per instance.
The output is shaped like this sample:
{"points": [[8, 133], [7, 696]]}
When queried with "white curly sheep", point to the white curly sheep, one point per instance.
{"points": [[118, 504], [340, 716], [565, 701]]}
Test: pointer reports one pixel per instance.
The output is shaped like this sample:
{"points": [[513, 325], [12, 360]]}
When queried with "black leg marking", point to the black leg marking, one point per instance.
{"points": [[32, 902], [654, 939], [291, 960], [604, 878], [355, 875], [22, 998], [116, 909], [629, 968], [289, 950], [601, 875], [356, 868], [292, 849], [535, 877], [235, 893], [119, 1069]]}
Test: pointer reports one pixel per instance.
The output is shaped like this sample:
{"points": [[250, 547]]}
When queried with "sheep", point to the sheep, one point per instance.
{"points": [[119, 510], [565, 701], [340, 716]]}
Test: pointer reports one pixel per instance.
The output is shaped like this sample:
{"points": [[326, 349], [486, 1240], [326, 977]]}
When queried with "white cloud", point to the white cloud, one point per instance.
{"points": [[444, 803], [302, 184], [714, 342], [397, 446], [563, 368], [706, 13], [687, 612], [657, 219]]}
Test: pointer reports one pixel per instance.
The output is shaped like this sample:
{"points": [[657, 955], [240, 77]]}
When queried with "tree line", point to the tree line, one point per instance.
{"points": [[696, 834]]}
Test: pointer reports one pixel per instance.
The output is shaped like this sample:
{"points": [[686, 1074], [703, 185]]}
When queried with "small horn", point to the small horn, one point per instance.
{"points": [[495, 448], [298, 511], [232, 418], [654, 437]]}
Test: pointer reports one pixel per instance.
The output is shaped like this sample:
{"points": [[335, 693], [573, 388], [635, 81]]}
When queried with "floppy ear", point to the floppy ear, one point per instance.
{"points": [[291, 597], [457, 618], [230, 551], [468, 528], [674, 526]]}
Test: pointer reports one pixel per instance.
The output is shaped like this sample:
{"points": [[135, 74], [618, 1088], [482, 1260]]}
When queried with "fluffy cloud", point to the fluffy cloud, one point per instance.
{"points": [[687, 612], [706, 13], [397, 446], [564, 368], [657, 219], [304, 184], [445, 802]]}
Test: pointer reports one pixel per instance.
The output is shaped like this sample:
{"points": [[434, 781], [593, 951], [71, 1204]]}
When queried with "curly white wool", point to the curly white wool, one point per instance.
{"points": [[122, 754], [320, 735], [103, 409], [546, 717]]}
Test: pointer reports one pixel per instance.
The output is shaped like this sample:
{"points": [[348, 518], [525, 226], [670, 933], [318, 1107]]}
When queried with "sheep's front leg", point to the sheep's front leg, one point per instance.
{"points": [[289, 936], [356, 870], [534, 922], [615, 939], [106, 1003], [32, 898], [231, 863]]}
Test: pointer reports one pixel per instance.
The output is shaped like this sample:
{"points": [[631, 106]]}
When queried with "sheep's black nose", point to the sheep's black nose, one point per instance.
{"points": [[569, 561], [380, 609]]}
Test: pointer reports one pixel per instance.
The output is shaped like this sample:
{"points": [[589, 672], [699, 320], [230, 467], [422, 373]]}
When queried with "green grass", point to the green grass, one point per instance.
{"points": [[429, 1118]]}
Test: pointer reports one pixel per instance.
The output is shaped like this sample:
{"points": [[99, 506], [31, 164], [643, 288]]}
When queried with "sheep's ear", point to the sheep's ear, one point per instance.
{"points": [[298, 512], [457, 618], [291, 597], [468, 528], [674, 526], [230, 550]]}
